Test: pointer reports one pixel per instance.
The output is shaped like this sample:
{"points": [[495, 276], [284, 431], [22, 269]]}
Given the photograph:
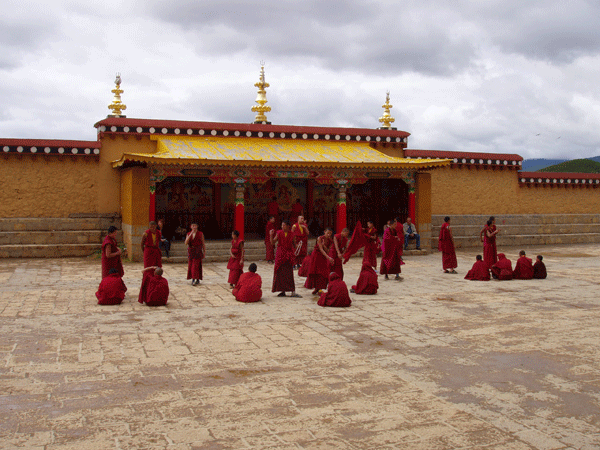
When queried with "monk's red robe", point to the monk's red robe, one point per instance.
{"points": [[318, 274], [523, 269], [273, 210], [195, 257], [154, 290], [248, 288], [152, 254], [367, 283], [270, 250], [539, 270], [503, 268], [301, 235], [115, 261], [111, 290], [371, 247], [297, 209], [337, 266], [391, 259], [357, 241], [305, 267], [479, 272], [337, 293], [446, 246], [235, 263], [490, 255], [283, 272]]}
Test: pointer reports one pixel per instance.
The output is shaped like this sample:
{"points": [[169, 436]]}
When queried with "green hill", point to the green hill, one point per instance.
{"points": [[575, 166]]}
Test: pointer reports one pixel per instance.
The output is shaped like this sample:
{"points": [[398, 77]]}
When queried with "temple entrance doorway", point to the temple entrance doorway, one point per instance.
{"points": [[377, 200]]}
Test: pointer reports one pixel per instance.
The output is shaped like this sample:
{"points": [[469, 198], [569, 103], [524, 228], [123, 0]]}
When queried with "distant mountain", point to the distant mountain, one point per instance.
{"points": [[575, 166], [537, 164]]}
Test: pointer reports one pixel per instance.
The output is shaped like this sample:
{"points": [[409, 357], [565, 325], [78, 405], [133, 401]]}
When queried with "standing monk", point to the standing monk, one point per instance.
{"points": [[371, 247], [150, 246], [297, 210], [336, 252], [196, 252], [270, 256], [392, 254], [446, 246], [300, 231], [488, 237], [273, 209], [318, 273], [236, 259], [111, 253], [283, 272]]}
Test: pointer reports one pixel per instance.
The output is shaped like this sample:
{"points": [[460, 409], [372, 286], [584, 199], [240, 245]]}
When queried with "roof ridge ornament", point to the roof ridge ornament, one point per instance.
{"points": [[261, 98], [117, 106], [387, 120]]}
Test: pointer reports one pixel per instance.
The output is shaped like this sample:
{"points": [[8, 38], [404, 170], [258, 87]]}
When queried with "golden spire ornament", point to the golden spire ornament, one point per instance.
{"points": [[387, 120], [261, 98], [117, 107]]}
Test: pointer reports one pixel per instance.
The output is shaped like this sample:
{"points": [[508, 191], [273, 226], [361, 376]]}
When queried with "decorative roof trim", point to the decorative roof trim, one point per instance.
{"points": [[559, 179], [49, 147]]}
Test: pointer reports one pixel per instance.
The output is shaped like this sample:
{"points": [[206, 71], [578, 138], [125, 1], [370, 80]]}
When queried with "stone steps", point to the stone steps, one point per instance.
{"points": [[48, 251], [52, 237]]}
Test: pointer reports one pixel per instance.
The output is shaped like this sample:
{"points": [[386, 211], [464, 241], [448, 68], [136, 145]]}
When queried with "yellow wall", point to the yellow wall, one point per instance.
{"points": [[559, 200], [423, 207], [48, 186], [135, 206]]}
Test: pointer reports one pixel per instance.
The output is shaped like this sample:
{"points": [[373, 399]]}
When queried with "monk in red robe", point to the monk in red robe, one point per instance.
{"points": [[270, 250], [236, 258], [479, 271], [336, 252], [155, 288], [111, 253], [539, 268], [367, 281], [112, 289], [392, 255], [297, 210], [488, 237], [318, 274], [248, 288], [150, 246], [273, 209], [502, 270], [446, 246], [305, 266], [300, 231], [523, 267], [337, 293], [196, 252], [283, 272], [372, 245]]}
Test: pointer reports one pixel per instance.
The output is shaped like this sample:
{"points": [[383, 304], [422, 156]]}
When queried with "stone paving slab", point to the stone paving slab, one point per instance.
{"points": [[431, 362]]}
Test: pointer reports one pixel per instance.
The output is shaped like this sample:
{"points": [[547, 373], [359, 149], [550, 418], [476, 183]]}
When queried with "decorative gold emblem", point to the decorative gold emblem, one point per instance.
{"points": [[261, 98], [387, 120], [117, 107]]}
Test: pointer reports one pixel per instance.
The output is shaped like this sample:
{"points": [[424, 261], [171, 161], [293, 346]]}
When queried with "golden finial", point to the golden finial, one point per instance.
{"points": [[387, 120], [261, 98], [116, 106]]}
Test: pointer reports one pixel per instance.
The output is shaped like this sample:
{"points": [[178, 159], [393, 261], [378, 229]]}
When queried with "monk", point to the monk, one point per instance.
{"points": [[523, 267], [283, 272], [273, 208], [488, 237], [391, 259], [367, 281], [196, 252], [502, 270], [318, 274], [155, 288], [479, 271], [297, 210], [336, 252], [236, 258], [248, 288], [337, 293], [270, 250], [300, 231], [305, 266], [111, 253], [150, 246], [446, 246], [539, 268], [372, 245], [112, 289]]}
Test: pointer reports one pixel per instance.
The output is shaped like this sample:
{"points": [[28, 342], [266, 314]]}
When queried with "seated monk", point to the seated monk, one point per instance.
{"points": [[248, 287], [479, 271], [502, 270], [112, 289], [523, 267], [305, 267], [155, 288], [337, 293], [539, 268], [367, 281]]}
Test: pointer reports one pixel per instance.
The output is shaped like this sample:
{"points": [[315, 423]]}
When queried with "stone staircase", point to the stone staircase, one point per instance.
{"points": [[523, 229], [54, 237]]}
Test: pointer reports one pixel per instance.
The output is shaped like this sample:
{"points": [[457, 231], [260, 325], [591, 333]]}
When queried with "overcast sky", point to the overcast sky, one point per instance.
{"points": [[487, 76]]}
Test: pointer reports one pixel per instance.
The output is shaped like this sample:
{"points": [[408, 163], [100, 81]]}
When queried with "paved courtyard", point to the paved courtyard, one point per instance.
{"points": [[431, 362]]}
